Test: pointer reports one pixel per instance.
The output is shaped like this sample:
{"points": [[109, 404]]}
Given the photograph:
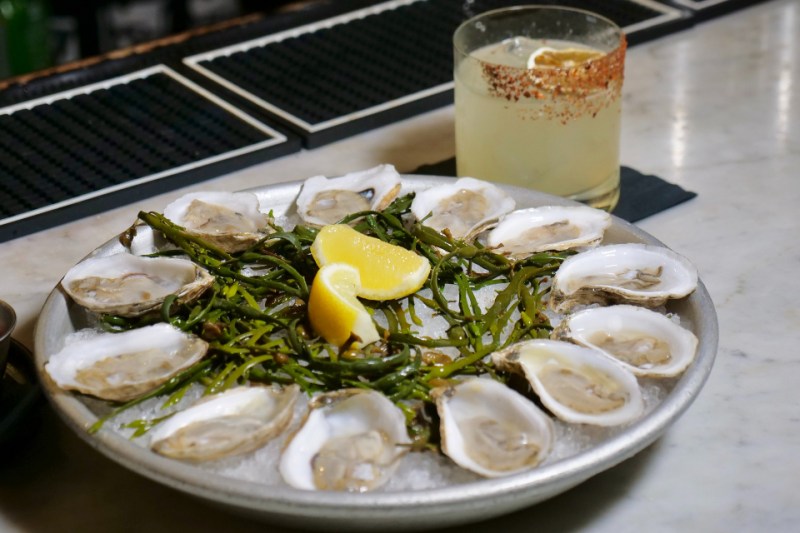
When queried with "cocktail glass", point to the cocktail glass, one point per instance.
{"points": [[538, 101]]}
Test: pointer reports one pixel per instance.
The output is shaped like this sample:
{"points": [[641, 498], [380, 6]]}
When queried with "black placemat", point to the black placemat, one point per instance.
{"points": [[641, 195]]}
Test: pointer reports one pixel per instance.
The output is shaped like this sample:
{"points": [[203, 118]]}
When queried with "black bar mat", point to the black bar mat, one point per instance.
{"points": [[353, 72], [641, 195], [79, 152], [706, 9]]}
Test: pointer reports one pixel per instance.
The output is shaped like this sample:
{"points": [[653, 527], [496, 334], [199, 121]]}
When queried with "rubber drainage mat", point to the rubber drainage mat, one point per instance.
{"points": [[704, 9], [79, 152], [344, 75]]}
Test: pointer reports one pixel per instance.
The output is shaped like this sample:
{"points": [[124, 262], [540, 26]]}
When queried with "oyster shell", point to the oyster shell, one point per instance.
{"points": [[130, 285], [622, 273], [464, 208], [324, 201], [577, 384], [231, 221], [490, 429], [351, 440], [527, 231], [233, 422], [123, 366], [645, 342]]}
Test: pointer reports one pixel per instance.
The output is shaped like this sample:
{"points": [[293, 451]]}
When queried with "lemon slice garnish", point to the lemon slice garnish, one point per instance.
{"points": [[334, 310], [386, 271], [564, 58]]}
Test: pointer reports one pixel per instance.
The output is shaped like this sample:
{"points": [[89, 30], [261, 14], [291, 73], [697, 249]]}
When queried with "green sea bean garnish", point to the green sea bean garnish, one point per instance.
{"points": [[255, 320]]}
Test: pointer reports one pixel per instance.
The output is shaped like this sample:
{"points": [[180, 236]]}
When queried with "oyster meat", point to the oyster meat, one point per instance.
{"points": [[644, 341], [577, 384], [351, 441], [130, 285], [324, 201], [527, 231], [231, 221], [233, 422], [123, 366], [464, 208], [641, 274], [490, 429]]}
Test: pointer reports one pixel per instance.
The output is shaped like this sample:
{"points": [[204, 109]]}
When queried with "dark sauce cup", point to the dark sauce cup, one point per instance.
{"points": [[8, 319]]}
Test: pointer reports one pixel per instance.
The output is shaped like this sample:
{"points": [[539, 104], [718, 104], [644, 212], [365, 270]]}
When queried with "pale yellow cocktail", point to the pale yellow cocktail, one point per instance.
{"points": [[542, 113]]}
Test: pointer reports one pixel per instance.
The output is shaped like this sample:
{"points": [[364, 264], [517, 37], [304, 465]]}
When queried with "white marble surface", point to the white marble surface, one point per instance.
{"points": [[715, 109]]}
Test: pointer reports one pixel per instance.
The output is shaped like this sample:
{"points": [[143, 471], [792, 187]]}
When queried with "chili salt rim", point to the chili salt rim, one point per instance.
{"points": [[570, 87]]}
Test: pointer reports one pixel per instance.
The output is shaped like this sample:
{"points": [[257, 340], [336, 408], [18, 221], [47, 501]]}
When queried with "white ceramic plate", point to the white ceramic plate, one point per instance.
{"points": [[385, 510]]}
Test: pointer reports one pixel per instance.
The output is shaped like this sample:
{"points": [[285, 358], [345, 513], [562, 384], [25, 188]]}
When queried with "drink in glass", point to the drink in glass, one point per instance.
{"points": [[538, 101]]}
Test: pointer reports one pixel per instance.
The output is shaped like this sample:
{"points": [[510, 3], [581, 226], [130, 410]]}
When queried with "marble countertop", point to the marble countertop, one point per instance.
{"points": [[715, 109]]}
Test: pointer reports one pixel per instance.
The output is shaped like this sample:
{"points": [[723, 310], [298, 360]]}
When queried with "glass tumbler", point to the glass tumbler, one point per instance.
{"points": [[538, 101]]}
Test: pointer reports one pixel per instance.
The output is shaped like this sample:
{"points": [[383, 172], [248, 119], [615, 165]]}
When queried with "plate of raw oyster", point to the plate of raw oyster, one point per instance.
{"points": [[550, 343]]}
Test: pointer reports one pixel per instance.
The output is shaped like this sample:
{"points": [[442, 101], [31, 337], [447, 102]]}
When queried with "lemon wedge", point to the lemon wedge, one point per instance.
{"points": [[333, 309], [566, 57], [387, 271]]}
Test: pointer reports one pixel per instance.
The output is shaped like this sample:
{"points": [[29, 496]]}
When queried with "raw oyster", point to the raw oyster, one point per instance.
{"points": [[231, 221], [577, 384], [464, 208], [130, 285], [527, 231], [123, 366], [351, 441], [490, 429], [324, 201], [645, 342], [233, 422], [622, 273]]}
